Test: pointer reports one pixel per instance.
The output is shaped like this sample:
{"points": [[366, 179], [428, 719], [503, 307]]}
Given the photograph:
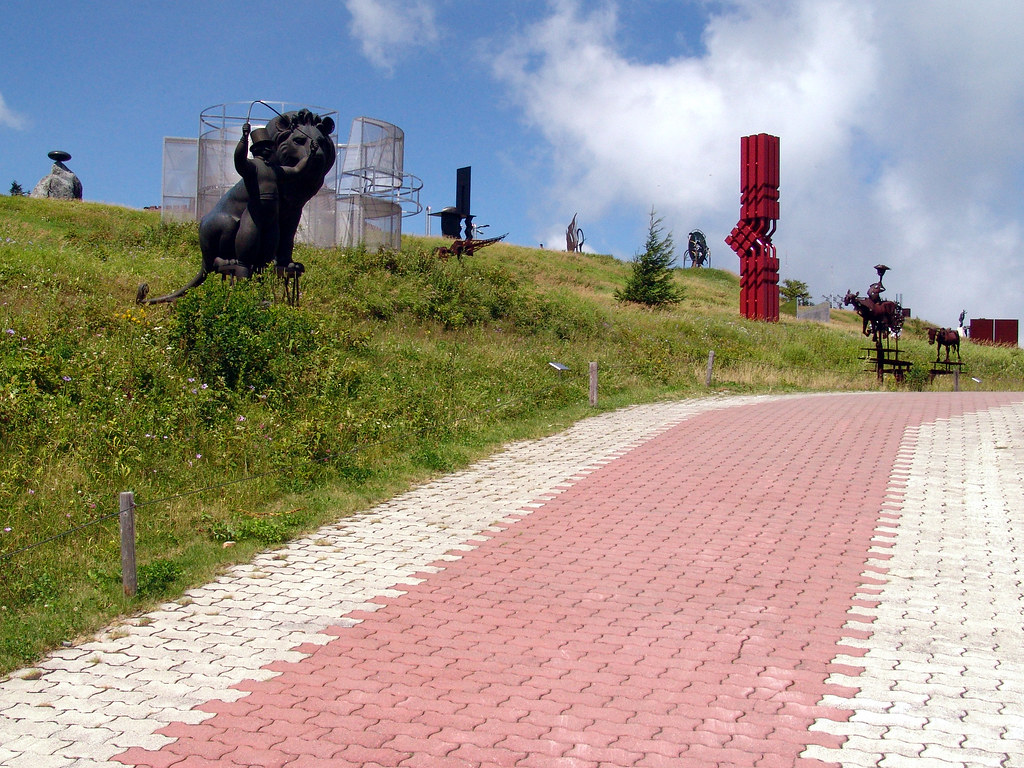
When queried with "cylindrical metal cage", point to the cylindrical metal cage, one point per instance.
{"points": [[374, 192]]}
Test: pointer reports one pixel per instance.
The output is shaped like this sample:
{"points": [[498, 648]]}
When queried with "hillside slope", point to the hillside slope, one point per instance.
{"points": [[234, 417]]}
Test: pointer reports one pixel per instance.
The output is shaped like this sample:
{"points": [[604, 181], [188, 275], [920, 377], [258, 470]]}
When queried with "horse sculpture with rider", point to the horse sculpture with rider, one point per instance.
{"points": [[885, 317]]}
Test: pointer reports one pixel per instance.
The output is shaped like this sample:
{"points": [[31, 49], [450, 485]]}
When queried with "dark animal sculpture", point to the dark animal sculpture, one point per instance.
{"points": [[944, 337], [885, 317], [299, 155]]}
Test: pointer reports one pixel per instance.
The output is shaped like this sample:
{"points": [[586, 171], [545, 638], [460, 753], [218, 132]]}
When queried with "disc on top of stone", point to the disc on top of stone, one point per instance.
{"points": [[59, 156]]}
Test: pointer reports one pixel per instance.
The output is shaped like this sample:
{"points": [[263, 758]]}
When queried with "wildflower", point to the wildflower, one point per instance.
{"points": [[241, 418], [65, 378], [205, 386], [7, 529], [199, 455], [191, 381], [10, 331]]}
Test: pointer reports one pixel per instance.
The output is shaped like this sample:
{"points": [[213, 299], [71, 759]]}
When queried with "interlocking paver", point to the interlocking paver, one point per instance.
{"points": [[949, 599], [662, 585]]}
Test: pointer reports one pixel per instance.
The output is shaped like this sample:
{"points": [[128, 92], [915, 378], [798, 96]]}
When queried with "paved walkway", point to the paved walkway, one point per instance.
{"points": [[790, 581]]}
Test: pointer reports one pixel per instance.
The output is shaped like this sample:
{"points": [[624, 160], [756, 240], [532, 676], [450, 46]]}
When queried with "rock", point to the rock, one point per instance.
{"points": [[60, 183]]}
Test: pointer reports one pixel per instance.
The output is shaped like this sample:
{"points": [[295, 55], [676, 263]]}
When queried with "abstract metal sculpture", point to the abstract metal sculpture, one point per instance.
{"points": [[452, 216], [751, 238], [460, 248], [254, 223], [574, 237], [697, 252]]}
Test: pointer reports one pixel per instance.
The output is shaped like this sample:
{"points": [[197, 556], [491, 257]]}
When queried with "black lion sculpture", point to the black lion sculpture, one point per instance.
{"points": [[254, 223]]}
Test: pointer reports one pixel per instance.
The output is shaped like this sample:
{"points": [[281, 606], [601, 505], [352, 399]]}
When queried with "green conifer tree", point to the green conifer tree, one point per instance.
{"points": [[650, 283], [795, 290], [16, 190]]}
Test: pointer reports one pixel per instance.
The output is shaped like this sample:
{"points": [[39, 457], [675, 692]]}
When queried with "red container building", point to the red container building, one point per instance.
{"points": [[986, 331]]}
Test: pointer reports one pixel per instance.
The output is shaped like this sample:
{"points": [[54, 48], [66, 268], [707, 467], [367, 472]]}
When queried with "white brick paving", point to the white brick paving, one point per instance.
{"points": [[943, 679], [96, 700]]}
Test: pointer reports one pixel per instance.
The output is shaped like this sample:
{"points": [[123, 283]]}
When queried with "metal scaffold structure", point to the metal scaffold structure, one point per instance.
{"points": [[374, 193]]}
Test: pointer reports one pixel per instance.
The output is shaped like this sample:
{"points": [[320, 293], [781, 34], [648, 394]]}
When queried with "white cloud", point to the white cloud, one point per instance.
{"points": [[9, 117], [387, 29], [901, 127], [676, 125]]}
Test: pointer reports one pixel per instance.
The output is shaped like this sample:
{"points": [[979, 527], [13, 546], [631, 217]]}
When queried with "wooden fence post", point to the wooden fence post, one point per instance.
{"points": [[593, 384], [956, 379], [711, 364], [129, 574]]}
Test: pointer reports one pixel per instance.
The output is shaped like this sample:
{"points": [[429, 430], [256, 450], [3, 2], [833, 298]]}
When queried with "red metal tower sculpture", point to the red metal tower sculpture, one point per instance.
{"points": [[751, 238]]}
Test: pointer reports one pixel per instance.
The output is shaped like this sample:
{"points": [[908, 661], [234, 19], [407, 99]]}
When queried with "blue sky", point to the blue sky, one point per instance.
{"points": [[901, 123]]}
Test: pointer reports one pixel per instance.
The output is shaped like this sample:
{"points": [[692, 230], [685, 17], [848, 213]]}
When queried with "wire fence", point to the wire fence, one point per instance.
{"points": [[96, 521]]}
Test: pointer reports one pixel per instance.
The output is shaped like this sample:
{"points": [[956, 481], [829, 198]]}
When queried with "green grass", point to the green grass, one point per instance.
{"points": [[234, 417]]}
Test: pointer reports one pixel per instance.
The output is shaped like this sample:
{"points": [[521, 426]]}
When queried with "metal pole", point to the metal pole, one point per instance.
{"points": [[129, 575]]}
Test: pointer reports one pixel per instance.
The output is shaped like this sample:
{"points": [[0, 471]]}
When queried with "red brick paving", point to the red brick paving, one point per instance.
{"points": [[679, 607]]}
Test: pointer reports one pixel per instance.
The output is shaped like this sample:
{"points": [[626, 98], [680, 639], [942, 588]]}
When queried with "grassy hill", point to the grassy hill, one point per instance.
{"points": [[239, 421]]}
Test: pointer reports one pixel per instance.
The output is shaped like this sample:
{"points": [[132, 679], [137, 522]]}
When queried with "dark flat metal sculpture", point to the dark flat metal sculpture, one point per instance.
{"points": [[254, 223], [453, 216], [451, 222]]}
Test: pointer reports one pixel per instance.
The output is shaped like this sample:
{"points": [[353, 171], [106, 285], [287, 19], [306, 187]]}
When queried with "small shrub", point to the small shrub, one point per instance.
{"points": [[263, 530], [916, 378], [238, 335], [154, 579]]}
